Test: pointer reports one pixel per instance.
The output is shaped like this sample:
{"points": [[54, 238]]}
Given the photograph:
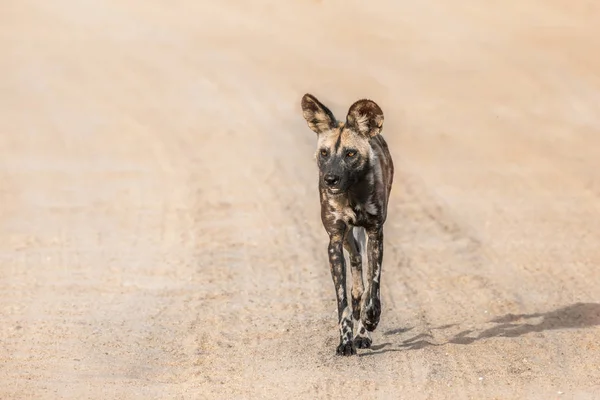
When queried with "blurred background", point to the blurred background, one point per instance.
{"points": [[160, 232]]}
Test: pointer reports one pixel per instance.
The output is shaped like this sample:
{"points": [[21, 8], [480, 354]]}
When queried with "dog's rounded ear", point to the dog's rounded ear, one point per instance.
{"points": [[319, 118], [366, 117]]}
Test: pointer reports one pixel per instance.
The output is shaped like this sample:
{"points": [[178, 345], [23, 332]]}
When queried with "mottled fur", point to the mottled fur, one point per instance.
{"points": [[355, 179]]}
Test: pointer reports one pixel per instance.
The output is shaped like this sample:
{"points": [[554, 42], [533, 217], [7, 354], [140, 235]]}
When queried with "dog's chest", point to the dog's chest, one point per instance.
{"points": [[363, 212], [354, 214]]}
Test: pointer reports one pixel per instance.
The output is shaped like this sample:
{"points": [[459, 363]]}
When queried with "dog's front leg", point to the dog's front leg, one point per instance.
{"points": [[371, 301], [338, 273]]}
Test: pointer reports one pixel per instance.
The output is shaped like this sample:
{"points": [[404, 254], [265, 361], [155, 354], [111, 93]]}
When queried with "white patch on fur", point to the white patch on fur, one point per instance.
{"points": [[359, 326], [373, 158], [346, 319], [349, 215], [346, 313], [341, 294], [341, 211], [371, 208]]}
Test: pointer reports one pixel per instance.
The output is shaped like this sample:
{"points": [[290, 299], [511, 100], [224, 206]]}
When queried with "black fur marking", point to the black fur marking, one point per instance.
{"points": [[338, 142], [346, 349], [362, 342]]}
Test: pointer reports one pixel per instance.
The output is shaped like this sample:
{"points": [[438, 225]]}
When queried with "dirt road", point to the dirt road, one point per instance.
{"points": [[160, 234]]}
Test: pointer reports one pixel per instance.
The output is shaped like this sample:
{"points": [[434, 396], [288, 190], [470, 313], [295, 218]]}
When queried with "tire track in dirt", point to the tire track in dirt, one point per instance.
{"points": [[433, 244], [429, 248]]}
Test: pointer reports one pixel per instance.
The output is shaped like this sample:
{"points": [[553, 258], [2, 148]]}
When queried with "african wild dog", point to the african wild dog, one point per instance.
{"points": [[355, 180]]}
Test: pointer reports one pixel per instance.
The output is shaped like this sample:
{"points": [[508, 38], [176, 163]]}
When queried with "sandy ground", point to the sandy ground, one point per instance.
{"points": [[160, 234]]}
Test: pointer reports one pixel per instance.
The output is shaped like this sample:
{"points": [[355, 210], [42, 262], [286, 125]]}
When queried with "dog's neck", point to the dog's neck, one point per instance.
{"points": [[360, 192]]}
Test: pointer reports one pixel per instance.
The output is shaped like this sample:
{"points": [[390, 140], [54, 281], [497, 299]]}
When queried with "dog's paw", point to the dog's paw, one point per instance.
{"points": [[346, 349], [370, 315], [362, 342]]}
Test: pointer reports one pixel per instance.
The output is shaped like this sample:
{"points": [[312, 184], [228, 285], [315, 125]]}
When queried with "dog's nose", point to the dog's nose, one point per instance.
{"points": [[331, 179]]}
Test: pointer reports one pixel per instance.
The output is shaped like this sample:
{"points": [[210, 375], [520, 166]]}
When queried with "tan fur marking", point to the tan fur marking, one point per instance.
{"points": [[349, 139]]}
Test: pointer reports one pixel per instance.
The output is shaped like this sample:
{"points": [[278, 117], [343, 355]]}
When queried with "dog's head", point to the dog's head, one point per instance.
{"points": [[343, 149]]}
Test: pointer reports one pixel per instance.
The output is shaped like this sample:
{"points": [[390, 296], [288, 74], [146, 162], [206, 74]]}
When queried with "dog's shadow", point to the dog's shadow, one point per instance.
{"points": [[576, 316]]}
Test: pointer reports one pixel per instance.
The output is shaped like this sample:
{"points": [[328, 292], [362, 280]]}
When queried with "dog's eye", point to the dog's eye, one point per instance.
{"points": [[350, 154], [324, 153]]}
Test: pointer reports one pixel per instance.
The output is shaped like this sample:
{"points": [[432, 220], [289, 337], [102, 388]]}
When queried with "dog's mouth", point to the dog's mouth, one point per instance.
{"points": [[335, 191]]}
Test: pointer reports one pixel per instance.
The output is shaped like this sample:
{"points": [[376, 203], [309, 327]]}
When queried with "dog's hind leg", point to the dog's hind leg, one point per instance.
{"points": [[371, 299]]}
